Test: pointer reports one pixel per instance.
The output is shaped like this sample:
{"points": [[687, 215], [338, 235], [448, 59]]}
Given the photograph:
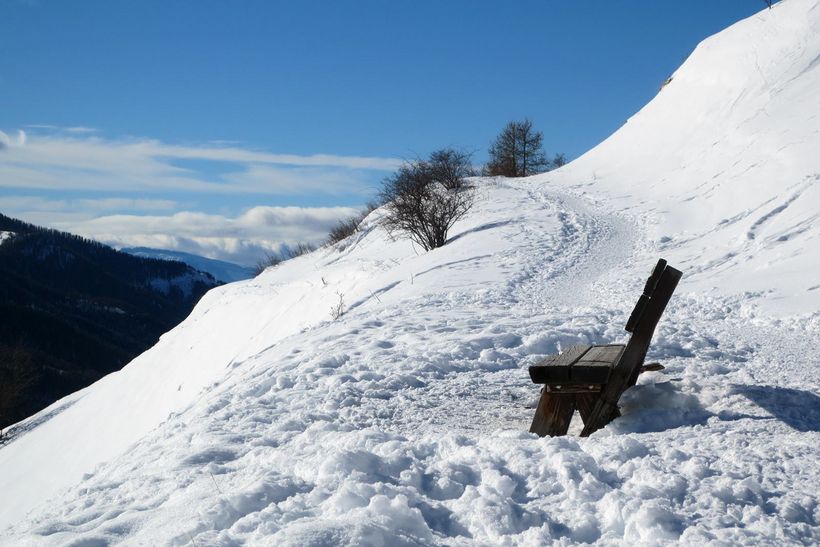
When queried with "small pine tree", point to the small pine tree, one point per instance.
{"points": [[517, 152]]}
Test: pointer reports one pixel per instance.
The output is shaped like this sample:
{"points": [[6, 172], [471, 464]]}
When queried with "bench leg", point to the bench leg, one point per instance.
{"points": [[585, 403], [600, 414], [553, 414]]}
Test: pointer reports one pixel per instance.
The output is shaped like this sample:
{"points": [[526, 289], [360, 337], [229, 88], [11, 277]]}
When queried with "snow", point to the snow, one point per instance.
{"points": [[723, 165], [5, 235], [261, 419]]}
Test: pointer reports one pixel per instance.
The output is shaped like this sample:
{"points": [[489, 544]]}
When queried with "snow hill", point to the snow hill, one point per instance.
{"points": [[226, 272], [263, 419]]}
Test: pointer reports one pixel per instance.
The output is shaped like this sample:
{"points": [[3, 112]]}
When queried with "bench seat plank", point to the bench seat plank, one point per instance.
{"points": [[607, 353], [583, 364], [555, 368], [596, 364]]}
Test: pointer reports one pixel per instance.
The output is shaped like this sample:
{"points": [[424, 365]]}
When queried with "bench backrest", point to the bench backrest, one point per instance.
{"points": [[645, 316]]}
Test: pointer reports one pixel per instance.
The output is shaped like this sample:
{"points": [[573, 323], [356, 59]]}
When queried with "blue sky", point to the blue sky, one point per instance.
{"points": [[225, 128]]}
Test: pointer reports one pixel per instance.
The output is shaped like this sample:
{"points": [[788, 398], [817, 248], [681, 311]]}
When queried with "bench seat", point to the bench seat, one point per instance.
{"points": [[579, 368]]}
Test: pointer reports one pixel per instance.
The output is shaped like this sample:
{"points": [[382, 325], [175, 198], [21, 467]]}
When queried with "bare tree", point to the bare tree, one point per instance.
{"points": [[451, 168], [423, 199], [517, 151]]}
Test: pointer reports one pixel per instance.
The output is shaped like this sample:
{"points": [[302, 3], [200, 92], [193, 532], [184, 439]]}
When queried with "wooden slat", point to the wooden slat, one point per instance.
{"points": [[549, 374], [643, 300], [573, 353], [553, 414], [608, 353], [590, 372], [654, 277], [645, 330], [555, 368], [574, 388], [637, 312], [596, 364]]}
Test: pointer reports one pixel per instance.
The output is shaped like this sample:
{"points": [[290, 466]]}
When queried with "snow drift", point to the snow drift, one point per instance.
{"points": [[263, 419], [723, 163]]}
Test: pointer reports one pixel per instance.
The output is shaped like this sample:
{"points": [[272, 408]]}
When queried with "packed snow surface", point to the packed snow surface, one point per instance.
{"points": [[265, 419]]}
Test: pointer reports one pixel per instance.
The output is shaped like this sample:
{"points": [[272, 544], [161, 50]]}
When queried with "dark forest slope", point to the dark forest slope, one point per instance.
{"points": [[73, 310]]}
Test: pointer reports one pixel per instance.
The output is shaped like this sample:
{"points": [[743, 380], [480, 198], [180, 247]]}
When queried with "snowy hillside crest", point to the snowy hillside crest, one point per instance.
{"points": [[264, 419]]}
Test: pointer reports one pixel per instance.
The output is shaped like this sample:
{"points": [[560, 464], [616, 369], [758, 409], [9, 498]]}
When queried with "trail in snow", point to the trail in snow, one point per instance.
{"points": [[595, 245]]}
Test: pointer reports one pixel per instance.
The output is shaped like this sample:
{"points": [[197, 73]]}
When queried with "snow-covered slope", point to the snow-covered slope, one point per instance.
{"points": [[264, 419], [724, 164]]}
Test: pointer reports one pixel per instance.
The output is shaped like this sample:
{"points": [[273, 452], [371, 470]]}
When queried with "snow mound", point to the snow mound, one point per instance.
{"points": [[723, 165], [266, 419]]}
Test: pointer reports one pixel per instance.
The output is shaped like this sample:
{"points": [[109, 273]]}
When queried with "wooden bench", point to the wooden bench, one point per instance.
{"points": [[590, 378]]}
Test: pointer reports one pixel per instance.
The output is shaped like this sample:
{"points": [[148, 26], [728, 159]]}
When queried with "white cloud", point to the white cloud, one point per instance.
{"points": [[86, 207], [242, 239], [7, 142], [57, 160], [143, 192], [57, 128]]}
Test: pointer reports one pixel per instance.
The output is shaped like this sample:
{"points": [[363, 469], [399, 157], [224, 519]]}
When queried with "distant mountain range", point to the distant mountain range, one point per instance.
{"points": [[227, 272], [73, 310]]}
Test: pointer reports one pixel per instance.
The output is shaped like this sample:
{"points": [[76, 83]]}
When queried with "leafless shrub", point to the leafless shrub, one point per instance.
{"points": [[298, 249], [424, 198], [343, 229], [346, 227], [274, 259], [338, 309], [270, 259]]}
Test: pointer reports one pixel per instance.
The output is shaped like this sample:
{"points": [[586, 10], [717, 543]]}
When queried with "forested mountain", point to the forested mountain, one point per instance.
{"points": [[73, 310], [226, 272]]}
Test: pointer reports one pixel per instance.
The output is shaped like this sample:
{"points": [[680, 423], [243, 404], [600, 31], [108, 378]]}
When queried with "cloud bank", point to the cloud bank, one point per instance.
{"points": [[203, 199], [76, 158], [242, 239]]}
